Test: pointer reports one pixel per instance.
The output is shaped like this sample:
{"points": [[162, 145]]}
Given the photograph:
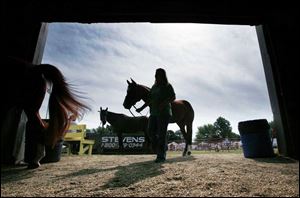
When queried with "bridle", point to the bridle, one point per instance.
{"points": [[136, 109]]}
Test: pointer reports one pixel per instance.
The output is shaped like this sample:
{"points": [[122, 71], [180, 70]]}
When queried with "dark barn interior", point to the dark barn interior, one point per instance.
{"points": [[25, 32]]}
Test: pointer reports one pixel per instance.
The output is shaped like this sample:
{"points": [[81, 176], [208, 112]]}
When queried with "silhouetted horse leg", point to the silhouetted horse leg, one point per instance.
{"points": [[40, 154], [147, 143], [182, 129], [120, 140], [189, 136], [35, 128], [34, 147], [187, 146]]}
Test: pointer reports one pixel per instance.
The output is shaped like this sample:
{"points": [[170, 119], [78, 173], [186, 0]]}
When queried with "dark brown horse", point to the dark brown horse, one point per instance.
{"points": [[25, 89], [121, 123], [182, 110]]}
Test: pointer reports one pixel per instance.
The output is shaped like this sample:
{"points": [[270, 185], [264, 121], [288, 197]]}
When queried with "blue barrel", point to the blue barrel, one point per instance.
{"points": [[256, 138], [53, 154]]}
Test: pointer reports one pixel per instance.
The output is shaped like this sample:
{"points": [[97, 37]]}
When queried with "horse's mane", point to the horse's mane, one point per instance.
{"points": [[64, 100], [123, 115], [144, 86], [117, 114]]}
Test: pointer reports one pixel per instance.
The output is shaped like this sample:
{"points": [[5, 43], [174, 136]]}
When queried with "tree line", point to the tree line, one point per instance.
{"points": [[220, 129]]}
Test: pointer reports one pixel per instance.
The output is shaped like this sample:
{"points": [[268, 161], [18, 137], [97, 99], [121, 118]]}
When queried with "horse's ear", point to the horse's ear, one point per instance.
{"points": [[133, 81], [128, 82], [100, 108], [106, 109]]}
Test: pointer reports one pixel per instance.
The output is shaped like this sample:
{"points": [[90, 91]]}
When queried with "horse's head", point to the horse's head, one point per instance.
{"points": [[103, 115], [132, 96]]}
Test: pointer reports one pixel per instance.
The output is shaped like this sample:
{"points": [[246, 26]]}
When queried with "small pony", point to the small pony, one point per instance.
{"points": [[26, 88]]}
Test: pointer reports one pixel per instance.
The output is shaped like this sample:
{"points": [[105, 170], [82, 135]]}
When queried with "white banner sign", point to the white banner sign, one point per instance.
{"points": [[112, 142]]}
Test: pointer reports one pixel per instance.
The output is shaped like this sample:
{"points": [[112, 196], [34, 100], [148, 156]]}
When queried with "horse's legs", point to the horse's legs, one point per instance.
{"points": [[33, 100], [182, 129], [40, 154], [187, 134], [120, 140], [189, 137], [34, 147], [147, 142]]}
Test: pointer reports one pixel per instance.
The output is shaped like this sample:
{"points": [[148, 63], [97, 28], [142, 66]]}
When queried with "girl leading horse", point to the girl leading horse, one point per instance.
{"points": [[182, 110], [26, 88]]}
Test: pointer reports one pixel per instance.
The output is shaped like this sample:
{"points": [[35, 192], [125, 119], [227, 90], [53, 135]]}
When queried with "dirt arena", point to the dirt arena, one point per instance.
{"points": [[212, 174]]}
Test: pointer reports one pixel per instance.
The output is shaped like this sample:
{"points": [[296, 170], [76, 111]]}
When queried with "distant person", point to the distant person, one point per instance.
{"points": [[160, 98]]}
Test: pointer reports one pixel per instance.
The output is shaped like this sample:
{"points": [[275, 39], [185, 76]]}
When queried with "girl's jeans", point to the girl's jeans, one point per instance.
{"points": [[157, 128]]}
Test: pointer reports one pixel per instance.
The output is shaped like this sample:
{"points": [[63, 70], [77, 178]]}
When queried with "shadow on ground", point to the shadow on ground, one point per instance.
{"points": [[14, 173], [276, 159], [129, 174]]}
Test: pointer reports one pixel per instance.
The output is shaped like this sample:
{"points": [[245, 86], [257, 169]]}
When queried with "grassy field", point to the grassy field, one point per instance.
{"points": [[195, 152]]}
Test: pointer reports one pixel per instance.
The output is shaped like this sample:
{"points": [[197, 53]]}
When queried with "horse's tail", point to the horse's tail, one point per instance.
{"points": [[191, 110], [189, 122], [63, 101]]}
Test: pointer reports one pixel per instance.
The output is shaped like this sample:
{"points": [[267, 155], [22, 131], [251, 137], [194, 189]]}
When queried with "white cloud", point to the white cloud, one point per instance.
{"points": [[217, 68]]}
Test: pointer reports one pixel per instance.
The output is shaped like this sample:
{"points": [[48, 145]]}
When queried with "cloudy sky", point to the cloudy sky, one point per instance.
{"points": [[217, 68]]}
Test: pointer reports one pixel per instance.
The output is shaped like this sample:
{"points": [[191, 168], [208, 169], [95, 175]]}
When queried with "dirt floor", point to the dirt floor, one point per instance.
{"points": [[215, 174]]}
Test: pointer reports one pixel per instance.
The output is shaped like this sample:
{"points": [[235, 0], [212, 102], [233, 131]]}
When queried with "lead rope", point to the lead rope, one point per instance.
{"points": [[136, 109], [131, 113]]}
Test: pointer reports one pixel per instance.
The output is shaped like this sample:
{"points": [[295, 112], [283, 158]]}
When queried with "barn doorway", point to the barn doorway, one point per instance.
{"points": [[223, 60]]}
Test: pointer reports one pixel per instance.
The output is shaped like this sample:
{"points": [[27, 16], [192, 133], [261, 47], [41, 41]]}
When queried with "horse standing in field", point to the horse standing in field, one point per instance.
{"points": [[182, 110], [121, 123], [25, 89]]}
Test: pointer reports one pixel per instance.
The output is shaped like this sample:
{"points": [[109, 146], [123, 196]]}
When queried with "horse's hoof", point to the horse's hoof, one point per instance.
{"points": [[189, 152], [33, 166]]}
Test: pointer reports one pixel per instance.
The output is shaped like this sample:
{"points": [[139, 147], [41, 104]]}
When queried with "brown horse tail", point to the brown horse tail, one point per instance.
{"points": [[63, 101], [186, 103], [190, 119]]}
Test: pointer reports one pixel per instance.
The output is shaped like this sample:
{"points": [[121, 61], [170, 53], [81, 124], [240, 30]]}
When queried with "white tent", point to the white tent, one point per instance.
{"points": [[172, 146]]}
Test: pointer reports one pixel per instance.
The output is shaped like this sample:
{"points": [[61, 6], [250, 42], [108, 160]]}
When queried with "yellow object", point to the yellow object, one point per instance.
{"points": [[78, 134]]}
